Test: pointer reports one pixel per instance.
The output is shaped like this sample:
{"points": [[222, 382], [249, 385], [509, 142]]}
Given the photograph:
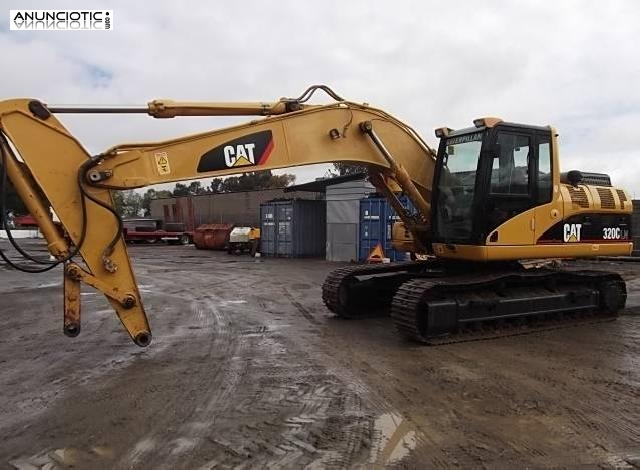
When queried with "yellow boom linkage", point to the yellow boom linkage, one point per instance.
{"points": [[50, 168]]}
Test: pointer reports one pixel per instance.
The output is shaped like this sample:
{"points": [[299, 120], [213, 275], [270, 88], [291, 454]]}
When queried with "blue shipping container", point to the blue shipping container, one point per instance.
{"points": [[293, 228], [377, 217]]}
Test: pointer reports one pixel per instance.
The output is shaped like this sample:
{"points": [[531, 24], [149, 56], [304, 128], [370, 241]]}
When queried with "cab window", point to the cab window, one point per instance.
{"points": [[510, 169], [544, 171]]}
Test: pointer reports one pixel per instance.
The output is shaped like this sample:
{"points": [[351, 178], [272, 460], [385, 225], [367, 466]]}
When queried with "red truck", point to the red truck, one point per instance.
{"points": [[155, 230]]}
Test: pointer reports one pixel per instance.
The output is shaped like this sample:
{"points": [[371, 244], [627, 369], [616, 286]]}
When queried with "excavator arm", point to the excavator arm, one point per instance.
{"points": [[50, 168]]}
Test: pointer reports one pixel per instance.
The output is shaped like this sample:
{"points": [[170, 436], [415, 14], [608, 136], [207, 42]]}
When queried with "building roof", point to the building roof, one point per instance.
{"points": [[319, 186]]}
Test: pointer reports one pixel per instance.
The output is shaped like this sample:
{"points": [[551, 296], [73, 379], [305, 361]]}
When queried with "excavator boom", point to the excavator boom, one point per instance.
{"points": [[50, 168]]}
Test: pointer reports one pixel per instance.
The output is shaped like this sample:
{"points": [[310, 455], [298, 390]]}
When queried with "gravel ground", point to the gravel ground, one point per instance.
{"points": [[248, 369]]}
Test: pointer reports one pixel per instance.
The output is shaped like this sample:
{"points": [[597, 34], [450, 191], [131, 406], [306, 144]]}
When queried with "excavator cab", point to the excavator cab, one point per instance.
{"points": [[487, 175], [494, 198]]}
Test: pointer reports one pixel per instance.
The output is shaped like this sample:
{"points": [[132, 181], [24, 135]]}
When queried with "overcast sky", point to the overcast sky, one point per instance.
{"points": [[571, 64]]}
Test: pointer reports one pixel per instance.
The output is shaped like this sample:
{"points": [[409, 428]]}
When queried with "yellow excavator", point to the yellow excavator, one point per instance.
{"points": [[490, 196]]}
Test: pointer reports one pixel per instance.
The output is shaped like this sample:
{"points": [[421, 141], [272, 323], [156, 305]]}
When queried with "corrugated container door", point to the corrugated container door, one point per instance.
{"points": [[267, 229], [284, 236], [372, 221], [309, 228], [342, 242], [342, 230]]}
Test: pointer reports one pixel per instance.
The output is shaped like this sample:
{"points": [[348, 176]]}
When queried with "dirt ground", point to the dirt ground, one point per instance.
{"points": [[248, 369]]}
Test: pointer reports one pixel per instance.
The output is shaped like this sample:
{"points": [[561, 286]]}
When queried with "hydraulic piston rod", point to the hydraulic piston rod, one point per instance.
{"points": [[401, 175]]}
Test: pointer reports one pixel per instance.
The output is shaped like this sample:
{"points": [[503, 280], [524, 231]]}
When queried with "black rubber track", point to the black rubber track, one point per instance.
{"points": [[410, 305]]}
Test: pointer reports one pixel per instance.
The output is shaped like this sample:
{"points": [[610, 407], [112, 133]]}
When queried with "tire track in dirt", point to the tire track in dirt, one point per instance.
{"points": [[391, 445], [197, 327], [303, 311], [59, 377], [216, 394], [280, 417], [208, 372], [592, 423], [384, 443], [469, 377], [279, 408]]}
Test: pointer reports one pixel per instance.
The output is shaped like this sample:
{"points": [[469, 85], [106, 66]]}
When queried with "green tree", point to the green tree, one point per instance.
{"points": [[149, 195], [244, 182], [118, 201], [195, 188], [128, 203], [192, 189], [256, 180], [346, 168], [281, 181], [216, 185], [180, 189]]}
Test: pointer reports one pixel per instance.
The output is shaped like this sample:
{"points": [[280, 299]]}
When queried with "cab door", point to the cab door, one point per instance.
{"points": [[508, 217]]}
